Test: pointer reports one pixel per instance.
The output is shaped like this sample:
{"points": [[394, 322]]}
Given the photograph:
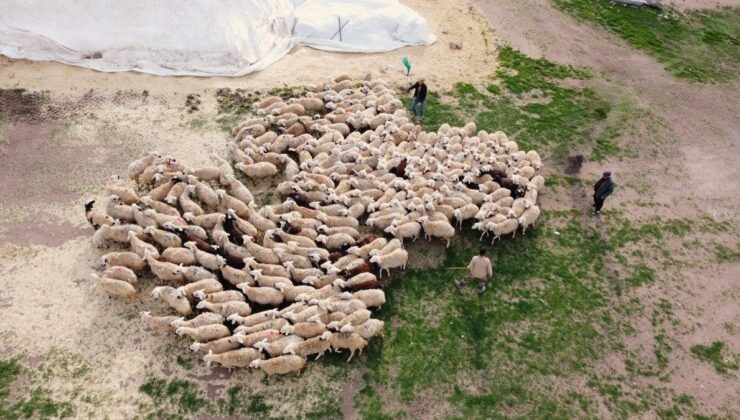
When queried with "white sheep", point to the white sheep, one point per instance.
{"points": [[316, 345], [350, 341], [262, 295], [405, 231], [161, 324], [239, 358], [438, 228], [206, 318], [395, 259], [175, 298], [226, 308], [275, 348], [206, 286], [222, 345], [280, 365], [529, 217]]}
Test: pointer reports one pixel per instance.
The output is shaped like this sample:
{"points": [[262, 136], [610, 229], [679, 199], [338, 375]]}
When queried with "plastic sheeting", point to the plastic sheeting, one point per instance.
{"points": [[200, 37]]}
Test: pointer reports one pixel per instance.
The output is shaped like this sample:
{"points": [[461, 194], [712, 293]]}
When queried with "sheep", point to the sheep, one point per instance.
{"points": [[206, 318], [371, 297], [129, 260], [272, 324], [316, 345], [117, 233], [222, 345], [257, 170], [226, 308], [364, 251], [115, 288], [205, 259], [95, 218], [163, 238], [138, 166], [346, 306], [140, 247], [119, 272], [395, 259], [529, 217], [175, 298], [371, 328], [195, 273], [253, 319], [164, 270], [237, 276], [438, 228], [234, 358], [249, 340], [161, 324], [291, 292], [504, 228], [336, 241], [280, 365], [219, 296], [405, 231], [350, 341], [306, 329], [179, 256], [205, 333], [119, 211], [358, 281], [206, 286], [275, 348], [262, 295], [355, 318], [268, 269]]}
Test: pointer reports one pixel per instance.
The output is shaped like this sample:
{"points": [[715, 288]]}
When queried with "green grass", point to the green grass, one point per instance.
{"points": [[550, 312], [717, 355], [33, 402], [532, 108], [700, 46], [726, 254]]}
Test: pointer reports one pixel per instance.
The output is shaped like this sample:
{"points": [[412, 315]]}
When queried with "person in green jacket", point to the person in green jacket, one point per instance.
{"points": [[602, 189]]}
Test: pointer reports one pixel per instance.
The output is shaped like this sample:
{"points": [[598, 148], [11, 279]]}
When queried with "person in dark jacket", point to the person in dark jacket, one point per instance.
{"points": [[420, 95], [602, 189]]}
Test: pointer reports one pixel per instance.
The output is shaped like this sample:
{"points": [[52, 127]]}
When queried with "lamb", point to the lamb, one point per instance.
{"points": [[222, 345], [127, 259], [115, 288], [316, 345], [160, 324], [395, 259], [205, 333], [280, 365], [205, 285], [350, 341], [262, 295], [234, 358], [529, 217], [119, 272], [176, 299], [405, 231], [438, 228], [275, 348], [206, 318], [226, 308]]}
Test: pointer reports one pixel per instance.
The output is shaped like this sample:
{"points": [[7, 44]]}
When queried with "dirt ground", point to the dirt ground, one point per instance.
{"points": [[83, 131]]}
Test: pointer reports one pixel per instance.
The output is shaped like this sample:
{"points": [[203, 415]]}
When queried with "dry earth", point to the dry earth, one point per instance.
{"points": [[89, 125]]}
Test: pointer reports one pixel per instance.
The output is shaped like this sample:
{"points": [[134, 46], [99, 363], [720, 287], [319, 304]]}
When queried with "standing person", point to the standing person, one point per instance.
{"points": [[420, 96], [480, 269], [602, 189]]}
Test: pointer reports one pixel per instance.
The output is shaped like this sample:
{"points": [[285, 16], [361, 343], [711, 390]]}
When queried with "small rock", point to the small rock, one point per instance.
{"points": [[368, 77], [445, 32], [456, 45]]}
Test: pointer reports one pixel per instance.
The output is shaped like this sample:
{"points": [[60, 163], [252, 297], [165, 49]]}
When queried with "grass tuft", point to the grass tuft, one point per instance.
{"points": [[715, 354]]}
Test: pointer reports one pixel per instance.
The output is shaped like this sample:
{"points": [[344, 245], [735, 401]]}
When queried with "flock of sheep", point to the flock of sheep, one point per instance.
{"points": [[268, 287]]}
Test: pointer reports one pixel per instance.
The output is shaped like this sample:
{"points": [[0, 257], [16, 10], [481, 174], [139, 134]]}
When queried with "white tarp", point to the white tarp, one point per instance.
{"points": [[199, 37]]}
